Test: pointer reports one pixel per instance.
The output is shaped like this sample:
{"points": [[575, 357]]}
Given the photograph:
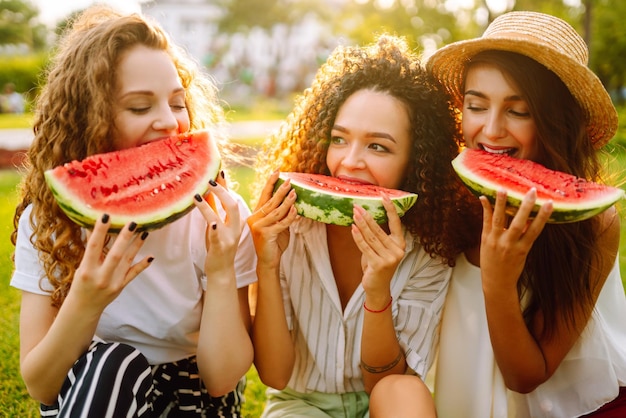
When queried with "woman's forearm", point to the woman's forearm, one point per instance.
{"points": [[274, 353]]}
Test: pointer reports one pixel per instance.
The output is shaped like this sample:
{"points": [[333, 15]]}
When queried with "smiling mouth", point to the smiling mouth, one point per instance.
{"points": [[508, 151]]}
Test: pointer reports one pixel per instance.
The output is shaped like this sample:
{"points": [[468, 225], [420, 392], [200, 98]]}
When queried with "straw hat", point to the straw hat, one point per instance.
{"points": [[549, 41]]}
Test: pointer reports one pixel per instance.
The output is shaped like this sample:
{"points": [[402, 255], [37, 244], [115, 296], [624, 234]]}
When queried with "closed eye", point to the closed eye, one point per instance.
{"points": [[139, 110], [519, 114], [475, 108]]}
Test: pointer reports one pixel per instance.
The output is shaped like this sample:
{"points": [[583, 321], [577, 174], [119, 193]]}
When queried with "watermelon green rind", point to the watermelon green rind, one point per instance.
{"points": [[161, 179], [589, 200], [334, 207], [87, 218]]}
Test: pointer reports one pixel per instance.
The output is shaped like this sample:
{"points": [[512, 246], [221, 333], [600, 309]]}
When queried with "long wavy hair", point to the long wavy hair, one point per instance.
{"points": [[74, 119], [437, 219], [558, 277]]}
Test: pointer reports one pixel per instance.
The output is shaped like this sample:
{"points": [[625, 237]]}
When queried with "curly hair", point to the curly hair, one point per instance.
{"points": [[73, 119], [388, 66]]}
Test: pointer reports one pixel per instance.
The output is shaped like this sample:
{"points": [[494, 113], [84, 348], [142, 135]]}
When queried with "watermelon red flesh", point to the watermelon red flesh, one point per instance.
{"points": [[331, 200], [573, 198], [151, 185]]}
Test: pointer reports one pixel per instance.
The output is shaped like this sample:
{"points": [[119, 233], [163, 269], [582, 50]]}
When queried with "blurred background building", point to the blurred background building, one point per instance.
{"points": [[275, 60]]}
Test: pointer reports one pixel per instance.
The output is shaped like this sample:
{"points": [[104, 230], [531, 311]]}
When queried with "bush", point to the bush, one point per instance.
{"points": [[24, 71]]}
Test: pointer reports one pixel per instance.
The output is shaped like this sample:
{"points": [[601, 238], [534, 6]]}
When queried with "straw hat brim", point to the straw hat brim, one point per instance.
{"points": [[448, 65]]}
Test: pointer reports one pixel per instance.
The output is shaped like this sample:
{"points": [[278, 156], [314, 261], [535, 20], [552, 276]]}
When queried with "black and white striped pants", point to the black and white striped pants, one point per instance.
{"points": [[115, 380]]}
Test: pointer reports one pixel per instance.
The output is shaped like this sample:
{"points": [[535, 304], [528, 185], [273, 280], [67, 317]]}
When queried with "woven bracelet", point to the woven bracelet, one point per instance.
{"points": [[382, 310], [382, 369]]}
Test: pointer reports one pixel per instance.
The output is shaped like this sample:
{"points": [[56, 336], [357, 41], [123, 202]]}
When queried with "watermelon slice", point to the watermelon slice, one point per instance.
{"points": [[330, 200], [152, 185], [574, 199]]}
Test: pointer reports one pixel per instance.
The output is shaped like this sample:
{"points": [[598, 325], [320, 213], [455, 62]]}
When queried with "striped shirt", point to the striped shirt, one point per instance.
{"points": [[327, 338]]}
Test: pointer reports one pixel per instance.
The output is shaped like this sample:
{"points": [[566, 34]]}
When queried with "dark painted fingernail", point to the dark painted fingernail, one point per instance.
{"points": [[214, 225], [212, 183], [150, 259], [144, 235], [105, 218], [222, 174], [198, 197], [132, 226]]}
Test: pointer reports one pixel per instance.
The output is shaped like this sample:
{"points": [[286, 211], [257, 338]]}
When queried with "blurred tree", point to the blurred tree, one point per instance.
{"points": [[243, 15], [565, 10], [19, 26], [417, 20], [427, 25], [66, 22], [608, 45]]}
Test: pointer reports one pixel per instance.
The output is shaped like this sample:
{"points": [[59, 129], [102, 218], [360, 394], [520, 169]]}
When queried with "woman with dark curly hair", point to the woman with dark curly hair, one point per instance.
{"points": [[340, 307]]}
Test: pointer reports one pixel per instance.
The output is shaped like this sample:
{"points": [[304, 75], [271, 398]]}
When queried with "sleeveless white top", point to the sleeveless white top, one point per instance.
{"points": [[469, 384]]}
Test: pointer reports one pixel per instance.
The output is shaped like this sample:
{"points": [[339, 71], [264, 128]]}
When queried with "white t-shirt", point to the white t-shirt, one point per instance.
{"points": [[327, 338], [159, 311]]}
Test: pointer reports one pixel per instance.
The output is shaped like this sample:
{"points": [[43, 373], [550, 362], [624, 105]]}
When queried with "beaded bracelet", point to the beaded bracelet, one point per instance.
{"points": [[382, 310]]}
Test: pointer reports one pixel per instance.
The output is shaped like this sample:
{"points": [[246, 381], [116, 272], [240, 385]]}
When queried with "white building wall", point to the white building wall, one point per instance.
{"points": [[191, 23], [281, 60]]}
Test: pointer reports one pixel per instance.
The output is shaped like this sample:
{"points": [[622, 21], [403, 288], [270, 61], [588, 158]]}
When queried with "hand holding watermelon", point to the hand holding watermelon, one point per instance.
{"points": [[505, 245], [103, 275], [270, 221], [222, 235], [382, 252]]}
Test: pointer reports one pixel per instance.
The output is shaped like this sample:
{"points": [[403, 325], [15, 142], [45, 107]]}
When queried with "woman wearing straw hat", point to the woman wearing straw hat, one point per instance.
{"points": [[539, 330]]}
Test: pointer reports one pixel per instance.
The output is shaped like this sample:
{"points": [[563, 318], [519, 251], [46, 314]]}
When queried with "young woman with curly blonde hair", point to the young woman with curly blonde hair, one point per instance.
{"points": [[132, 324]]}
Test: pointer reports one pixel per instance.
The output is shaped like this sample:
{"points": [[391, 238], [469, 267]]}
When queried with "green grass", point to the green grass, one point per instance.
{"points": [[14, 401], [259, 110], [14, 121]]}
